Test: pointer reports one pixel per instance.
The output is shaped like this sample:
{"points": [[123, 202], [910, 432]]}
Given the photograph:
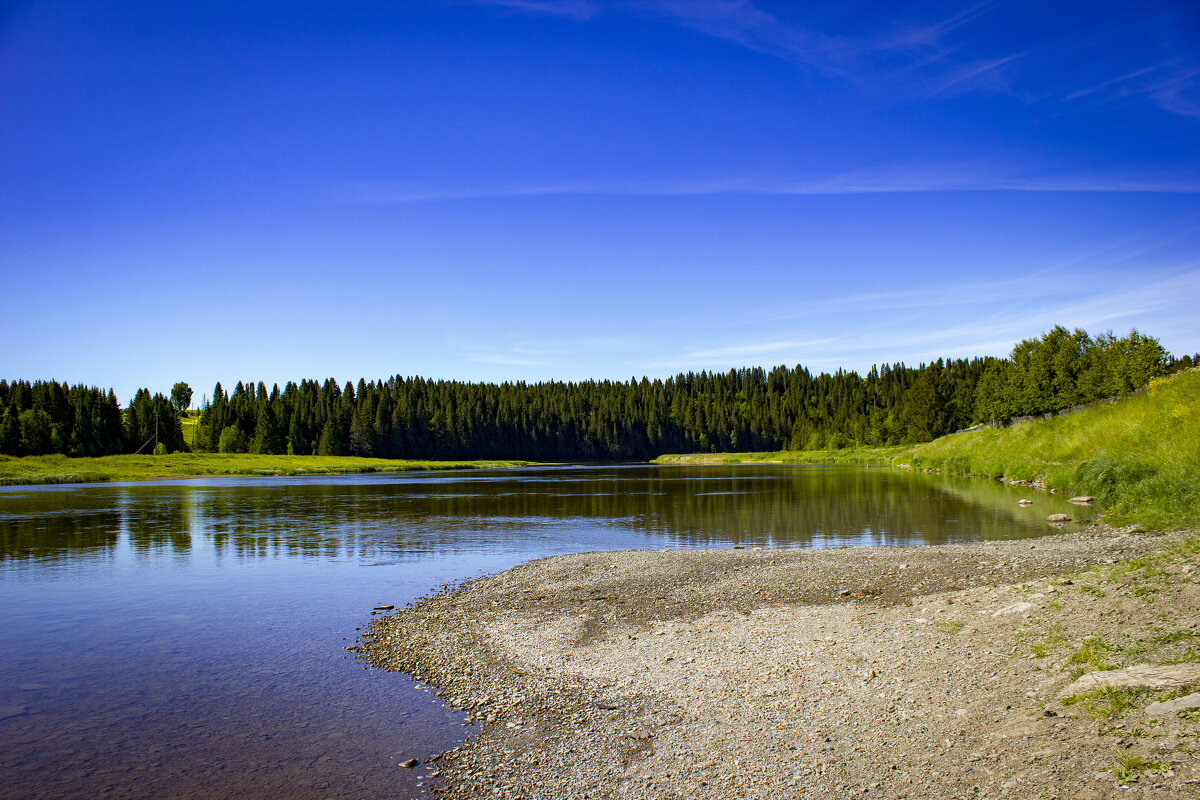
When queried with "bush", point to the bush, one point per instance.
{"points": [[231, 441]]}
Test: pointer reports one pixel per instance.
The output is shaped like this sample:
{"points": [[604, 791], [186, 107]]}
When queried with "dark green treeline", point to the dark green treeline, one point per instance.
{"points": [[50, 417], [741, 410]]}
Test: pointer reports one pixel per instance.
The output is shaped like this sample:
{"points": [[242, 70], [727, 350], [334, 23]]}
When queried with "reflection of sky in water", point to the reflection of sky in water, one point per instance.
{"points": [[186, 637]]}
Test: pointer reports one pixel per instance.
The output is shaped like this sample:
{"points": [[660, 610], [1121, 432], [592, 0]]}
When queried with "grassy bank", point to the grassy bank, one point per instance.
{"points": [[60, 469], [1140, 455], [849, 455]]}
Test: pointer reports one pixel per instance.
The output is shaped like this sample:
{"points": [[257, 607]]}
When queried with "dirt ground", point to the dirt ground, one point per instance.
{"points": [[916, 672]]}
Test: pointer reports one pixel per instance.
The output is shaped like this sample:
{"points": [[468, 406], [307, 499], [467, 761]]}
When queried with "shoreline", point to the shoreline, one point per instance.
{"points": [[64, 470], [928, 671]]}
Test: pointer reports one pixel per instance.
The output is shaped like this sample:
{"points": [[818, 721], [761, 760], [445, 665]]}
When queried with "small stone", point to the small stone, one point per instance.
{"points": [[384, 608], [410, 764], [1058, 518], [1086, 498], [1025, 502]]}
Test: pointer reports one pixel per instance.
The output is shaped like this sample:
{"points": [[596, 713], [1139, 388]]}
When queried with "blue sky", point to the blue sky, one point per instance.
{"points": [[571, 189]]}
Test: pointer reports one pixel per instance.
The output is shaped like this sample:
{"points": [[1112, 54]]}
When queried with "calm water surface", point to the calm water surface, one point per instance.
{"points": [[187, 638]]}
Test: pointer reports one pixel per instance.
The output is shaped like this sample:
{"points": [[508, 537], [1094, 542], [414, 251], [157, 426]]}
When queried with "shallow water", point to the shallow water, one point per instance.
{"points": [[187, 638]]}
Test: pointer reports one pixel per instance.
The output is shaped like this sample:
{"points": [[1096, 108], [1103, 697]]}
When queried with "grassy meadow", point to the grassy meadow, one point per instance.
{"points": [[1139, 455], [61, 469]]}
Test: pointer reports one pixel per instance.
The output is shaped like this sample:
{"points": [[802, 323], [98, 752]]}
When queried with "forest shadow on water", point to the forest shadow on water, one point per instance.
{"points": [[188, 638]]}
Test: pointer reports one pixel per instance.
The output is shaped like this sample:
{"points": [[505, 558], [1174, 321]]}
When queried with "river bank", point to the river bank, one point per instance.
{"points": [[58, 469], [1139, 454], [931, 672]]}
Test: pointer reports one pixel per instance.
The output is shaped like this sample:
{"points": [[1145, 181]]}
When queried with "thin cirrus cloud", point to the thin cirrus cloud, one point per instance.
{"points": [[947, 321], [910, 60], [1173, 86], [745, 24], [556, 354], [760, 348], [984, 176], [996, 74], [572, 9]]}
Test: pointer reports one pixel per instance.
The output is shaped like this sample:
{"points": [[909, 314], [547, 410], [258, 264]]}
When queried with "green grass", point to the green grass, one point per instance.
{"points": [[1108, 702], [1138, 455], [1129, 767], [60, 469], [849, 455], [1092, 655], [1048, 645], [187, 426]]}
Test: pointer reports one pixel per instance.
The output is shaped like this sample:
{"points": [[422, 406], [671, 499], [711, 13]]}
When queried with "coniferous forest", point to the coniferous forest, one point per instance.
{"points": [[742, 410]]}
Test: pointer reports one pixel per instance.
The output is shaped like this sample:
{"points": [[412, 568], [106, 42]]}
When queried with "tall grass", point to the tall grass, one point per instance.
{"points": [[1140, 455]]}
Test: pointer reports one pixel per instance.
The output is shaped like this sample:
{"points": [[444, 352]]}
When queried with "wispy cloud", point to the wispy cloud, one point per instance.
{"points": [[946, 177], [915, 325], [995, 74], [1174, 86], [929, 38], [908, 59], [1179, 92], [866, 58], [572, 9], [556, 355], [1118, 85], [965, 320], [519, 354], [761, 349], [743, 23]]}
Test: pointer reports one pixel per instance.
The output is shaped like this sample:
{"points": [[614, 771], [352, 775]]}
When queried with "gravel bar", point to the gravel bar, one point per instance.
{"points": [[879, 672]]}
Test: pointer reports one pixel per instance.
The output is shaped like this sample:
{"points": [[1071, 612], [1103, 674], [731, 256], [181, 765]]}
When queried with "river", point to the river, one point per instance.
{"points": [[188, 638]]}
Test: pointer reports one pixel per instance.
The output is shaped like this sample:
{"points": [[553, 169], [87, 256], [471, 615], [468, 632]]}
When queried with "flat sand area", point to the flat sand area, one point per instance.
{"points": [[915, 672]]}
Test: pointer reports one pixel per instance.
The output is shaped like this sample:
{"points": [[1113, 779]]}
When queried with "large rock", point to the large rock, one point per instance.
{"points": [[1086, 498], [1142, 676], [1170, 707], [1058, 518], [1015, 608]]}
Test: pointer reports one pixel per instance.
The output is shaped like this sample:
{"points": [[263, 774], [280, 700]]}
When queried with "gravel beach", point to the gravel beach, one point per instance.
{"points": [[914, 672]]}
